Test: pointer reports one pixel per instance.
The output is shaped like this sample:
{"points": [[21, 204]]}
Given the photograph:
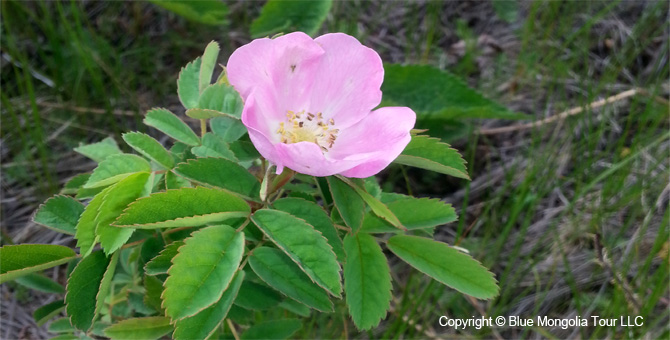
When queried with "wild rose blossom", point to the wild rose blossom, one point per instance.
{"points": [[308, 105]]}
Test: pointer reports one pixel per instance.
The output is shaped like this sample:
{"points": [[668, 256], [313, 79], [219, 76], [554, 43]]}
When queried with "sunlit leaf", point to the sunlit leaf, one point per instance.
{"points": [[153, 327], [99, 151], [171, 125], [430, 154], [446, 265], [23, 259], [116, 168], [59, 213], [281, 273], [150, 148], [186, 207], [304, 245], [288, 16], [367, 280], [202, 270], [208, 64], [223, 174]]}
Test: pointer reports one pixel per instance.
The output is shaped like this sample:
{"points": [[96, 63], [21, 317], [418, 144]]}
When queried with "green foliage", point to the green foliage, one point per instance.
{"points": [[171, 125], [116, 168], [99, 151], [275, 329], [367, 280], [348, 203], [430, 154], [214, 146], [375, 205], [227, 128], [115, 200], [59, 213], [203, 324], [221, 173], [256, 296], [148, 147], [206, 12], [202, 270], [61, 325], [207, 65], [23, 259], [313, 214], [43, 314], [281, 273], [186, 207], [434, 93], [188, 84], [163, 261], [40, 282], [446, 265], [433, 213], [85, 229], [222, 98], [287, 16], [149, 328], [507, 10], [304, 245], [83, 287]]}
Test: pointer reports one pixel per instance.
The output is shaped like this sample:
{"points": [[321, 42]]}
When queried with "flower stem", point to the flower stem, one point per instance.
{"points": [[203, 127]]}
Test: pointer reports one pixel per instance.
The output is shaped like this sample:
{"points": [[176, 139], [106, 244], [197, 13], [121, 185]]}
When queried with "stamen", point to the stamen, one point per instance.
{"points": [[308, 127]]}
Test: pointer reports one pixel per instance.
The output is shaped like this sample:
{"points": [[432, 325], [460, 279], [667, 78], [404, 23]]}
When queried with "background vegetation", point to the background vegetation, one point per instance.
{"points": [[571, 214]]}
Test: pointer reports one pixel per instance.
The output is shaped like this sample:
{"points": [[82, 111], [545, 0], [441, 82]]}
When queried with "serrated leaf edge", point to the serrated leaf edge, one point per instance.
{"points": [[207, 185], [339, 296], [32, 217]]}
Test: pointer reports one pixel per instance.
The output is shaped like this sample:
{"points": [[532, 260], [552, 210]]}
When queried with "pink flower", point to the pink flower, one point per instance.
{"points": [[308, 105]]}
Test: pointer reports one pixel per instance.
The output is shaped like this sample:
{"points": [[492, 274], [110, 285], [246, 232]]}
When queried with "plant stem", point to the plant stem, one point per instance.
{"points": [[203, 127]]}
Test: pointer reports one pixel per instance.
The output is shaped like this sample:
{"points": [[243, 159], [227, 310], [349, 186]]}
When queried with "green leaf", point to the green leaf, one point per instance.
{"points": [[162, 263], [202, 270], [379, 208], [244, 151], [150, 148], [288, 16], [255, 296], [282, 274], [99, 151], [446, 265], [82, 289], [188, 84], [430, 154], [59, 213], [348, 203], [154, 289], [274, 329], [222, 98], [223, 174], [116, 199], [203, 324], [205, 12], [74, 184], [171, 125], [43, 314], [317, 217], [229, 129], [367, 280], [61, 325], [40, 282], [304, 245], [173, 181], [116, 168], [85, 230], [153, 327], [23, 259], [434, 93], [186, 207], [106, 283], [295, 307], [413, 213], [208, 64], [213, 146], [197, 113]]}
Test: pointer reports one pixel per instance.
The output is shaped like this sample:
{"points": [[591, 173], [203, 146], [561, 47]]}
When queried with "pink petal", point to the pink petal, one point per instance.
{"points": [[375, 141], [349, 80], [307, 158], [286, 64]]}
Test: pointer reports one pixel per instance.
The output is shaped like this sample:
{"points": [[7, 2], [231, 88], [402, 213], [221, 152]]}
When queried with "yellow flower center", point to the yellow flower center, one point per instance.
{"points": [[308, 127]]}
